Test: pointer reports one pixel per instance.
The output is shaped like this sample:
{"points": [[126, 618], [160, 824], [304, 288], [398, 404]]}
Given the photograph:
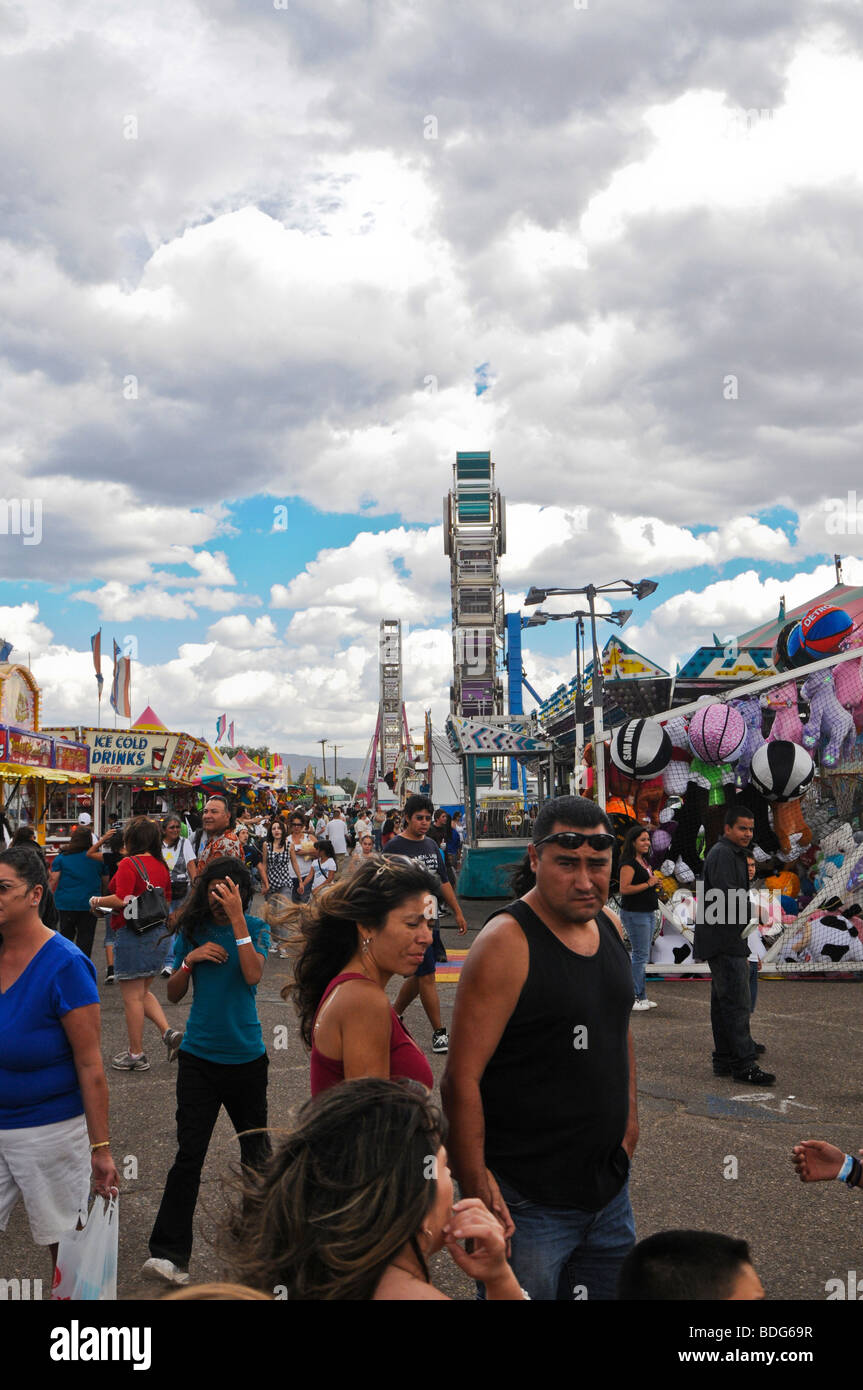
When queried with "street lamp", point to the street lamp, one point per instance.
{"points": [[618, 618], [641, 588]]}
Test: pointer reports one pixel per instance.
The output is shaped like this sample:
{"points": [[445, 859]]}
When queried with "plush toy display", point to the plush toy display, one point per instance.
{"points": [[828, 724], [676, 774], [848, 682], [787, 725], [793, 832], [750, 709]]}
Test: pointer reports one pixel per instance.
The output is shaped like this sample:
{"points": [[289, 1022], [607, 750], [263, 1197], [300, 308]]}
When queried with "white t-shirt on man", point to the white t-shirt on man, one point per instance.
{"points": [[336, 832]]}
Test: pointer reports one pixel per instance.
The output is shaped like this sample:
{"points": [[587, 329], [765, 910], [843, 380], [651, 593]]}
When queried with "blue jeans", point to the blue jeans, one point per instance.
{"points": [[562, 1254], [639, 928]]}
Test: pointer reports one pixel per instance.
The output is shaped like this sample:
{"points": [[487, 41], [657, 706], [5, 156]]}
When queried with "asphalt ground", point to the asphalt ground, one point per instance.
{"points": [[713, 1154]]}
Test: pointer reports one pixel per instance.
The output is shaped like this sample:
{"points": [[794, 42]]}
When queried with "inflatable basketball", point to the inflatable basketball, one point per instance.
{"points": [[797, 653], [823, 628], [641, 747], [717, 733], [781, 771]]}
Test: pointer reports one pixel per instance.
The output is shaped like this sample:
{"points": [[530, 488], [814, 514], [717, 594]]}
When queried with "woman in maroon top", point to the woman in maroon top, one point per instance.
{"points": [[354, 938]]}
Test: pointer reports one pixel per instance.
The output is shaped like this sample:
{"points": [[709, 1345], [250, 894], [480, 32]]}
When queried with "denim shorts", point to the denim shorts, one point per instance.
{"points": [[141, 955]]}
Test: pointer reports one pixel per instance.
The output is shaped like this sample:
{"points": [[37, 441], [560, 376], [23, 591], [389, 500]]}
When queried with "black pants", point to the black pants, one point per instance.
{"points": [[79, 927], [730, 1007], [202, 1089]]}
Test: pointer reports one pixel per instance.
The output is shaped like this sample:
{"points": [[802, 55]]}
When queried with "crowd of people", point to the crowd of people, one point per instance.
{"points": [[539, 1119]]}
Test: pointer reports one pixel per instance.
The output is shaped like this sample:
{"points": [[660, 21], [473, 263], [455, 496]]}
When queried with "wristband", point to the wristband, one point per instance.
{"points": [[244, 941], [104, 1144], [847, 1165], [184, 966]]}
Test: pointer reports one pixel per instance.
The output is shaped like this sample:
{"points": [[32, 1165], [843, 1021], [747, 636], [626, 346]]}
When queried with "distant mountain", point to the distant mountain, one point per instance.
{"points": [[298, 762]]}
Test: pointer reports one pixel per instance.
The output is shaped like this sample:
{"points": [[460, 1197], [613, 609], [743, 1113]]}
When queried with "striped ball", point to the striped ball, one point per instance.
{"points": [[641, 748], [782, 770], [823, 628], [717, 733]]}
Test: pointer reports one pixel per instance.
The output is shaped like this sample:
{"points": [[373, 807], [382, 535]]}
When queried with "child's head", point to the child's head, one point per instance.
{"points": [[689, 1265]]}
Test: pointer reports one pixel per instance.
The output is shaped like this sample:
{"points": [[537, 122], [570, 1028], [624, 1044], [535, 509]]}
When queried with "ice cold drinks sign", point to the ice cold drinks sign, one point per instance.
{"points": [[118, 753]]}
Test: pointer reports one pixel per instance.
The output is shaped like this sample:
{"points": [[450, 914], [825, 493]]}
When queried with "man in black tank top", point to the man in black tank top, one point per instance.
{"points": [[540, 1086]]}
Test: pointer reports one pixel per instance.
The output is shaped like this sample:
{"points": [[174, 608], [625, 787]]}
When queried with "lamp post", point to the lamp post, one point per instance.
{"points": [[642, 589]]}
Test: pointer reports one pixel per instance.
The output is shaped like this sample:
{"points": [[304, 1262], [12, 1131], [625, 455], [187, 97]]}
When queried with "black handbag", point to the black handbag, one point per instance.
{"points": [[149, 909]]}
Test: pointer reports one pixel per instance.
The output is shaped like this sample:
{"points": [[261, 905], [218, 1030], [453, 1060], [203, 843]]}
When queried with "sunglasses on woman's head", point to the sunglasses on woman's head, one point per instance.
{"points": [[572, 839]]}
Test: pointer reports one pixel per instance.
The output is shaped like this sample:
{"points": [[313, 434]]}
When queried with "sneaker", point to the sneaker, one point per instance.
{"points": [[651, 1003], [166, 972], [755, 1076], [109, 975], [440, 1040], [641, 1006], [124, 1061], [164, 1269], [172, 1039]]}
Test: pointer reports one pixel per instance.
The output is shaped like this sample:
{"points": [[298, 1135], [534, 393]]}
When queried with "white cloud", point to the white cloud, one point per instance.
{"points": [[241, 634]]}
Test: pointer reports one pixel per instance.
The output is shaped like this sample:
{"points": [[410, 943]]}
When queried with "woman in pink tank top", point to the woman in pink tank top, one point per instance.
{"points": [[356, 935]]}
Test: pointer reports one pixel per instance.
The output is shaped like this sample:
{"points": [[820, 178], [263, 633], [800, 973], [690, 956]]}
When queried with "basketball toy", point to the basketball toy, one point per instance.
{"points": [[782, 770], [641, 748], [824, 628], [717, 733]]}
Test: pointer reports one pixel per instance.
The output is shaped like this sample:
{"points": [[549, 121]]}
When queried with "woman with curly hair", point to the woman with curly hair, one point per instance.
{"points": [[356, 1200], [354, 936], [221, 1060]]}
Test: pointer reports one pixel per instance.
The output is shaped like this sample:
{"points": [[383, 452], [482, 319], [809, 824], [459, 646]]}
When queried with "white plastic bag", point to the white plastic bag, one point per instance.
{"points": [[87, 1259]]}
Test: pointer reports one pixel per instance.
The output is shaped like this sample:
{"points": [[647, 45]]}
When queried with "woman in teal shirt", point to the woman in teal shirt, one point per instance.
{"points": [[222, 1059], [74, 879]]}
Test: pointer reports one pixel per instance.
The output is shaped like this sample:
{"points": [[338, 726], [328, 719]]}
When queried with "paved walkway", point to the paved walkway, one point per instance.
{"points": [[697, 1132]]}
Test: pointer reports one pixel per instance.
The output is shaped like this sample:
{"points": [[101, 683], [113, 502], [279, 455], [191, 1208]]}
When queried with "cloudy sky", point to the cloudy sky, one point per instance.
{"points": [[265, 267]]}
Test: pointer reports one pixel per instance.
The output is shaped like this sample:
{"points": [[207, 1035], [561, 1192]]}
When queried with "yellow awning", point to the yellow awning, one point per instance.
{"points": [[42, 774]]}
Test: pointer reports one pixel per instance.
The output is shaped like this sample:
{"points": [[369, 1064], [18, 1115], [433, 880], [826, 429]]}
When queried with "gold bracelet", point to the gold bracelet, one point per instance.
{"points": [[104, 1144]]}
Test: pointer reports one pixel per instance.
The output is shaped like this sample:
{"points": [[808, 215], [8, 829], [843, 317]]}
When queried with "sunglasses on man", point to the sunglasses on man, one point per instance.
{"points": [[572, 839]]}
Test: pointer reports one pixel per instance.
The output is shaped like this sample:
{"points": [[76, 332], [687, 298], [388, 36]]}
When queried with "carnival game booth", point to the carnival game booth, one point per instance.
{"points": [[34, 763], [788, 747], [497, 822], [143, 770]]}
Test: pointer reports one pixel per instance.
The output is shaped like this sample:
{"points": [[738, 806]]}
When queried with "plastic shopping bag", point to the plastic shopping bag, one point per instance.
{"points": [[87, 1259]]}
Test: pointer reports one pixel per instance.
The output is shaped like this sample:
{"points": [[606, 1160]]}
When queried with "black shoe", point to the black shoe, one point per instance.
{"points": [[760, 1049], [755, 1076]]}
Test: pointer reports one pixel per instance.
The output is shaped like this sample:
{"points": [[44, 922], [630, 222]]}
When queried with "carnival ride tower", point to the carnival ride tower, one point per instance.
{"points": [[474, 528], [391, 737]]}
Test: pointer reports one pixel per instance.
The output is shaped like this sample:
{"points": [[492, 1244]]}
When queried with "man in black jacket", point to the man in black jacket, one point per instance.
{"points": [[722, 918]]}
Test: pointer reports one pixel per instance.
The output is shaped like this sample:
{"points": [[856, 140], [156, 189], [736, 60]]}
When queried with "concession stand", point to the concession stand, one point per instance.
{"points": [[143, 770], [34, 763]]}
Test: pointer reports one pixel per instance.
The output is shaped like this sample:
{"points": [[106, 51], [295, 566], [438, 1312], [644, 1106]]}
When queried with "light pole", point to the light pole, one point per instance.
{"points": [[323, 742], [335, 747], [642, 589]]}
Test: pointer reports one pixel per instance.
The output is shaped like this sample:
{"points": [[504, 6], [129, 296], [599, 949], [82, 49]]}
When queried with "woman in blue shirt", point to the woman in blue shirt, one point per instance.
{"points": [[53, 1092], [75, 878], [222, 1059]]}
